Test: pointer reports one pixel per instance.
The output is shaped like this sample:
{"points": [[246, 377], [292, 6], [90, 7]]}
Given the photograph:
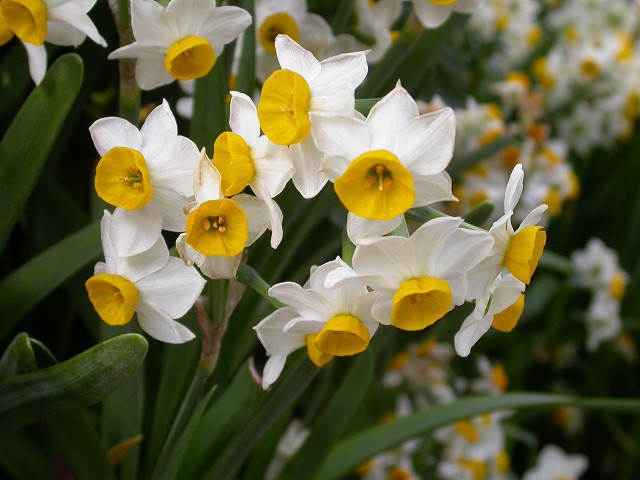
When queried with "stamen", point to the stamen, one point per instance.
{"points": [[206, 225]]}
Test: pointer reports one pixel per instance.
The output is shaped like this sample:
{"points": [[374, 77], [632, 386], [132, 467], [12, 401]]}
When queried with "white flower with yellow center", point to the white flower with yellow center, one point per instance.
{"points": [[501, 307], [147, 174], [517, 250], [245, 157], [60, 22], [181, 41], [597, 268], [291, 18], [554, 463], [218, 229], [387, 164], [301, 87], [155, 286], [433, 13], [603, 320], [329, 322], [420, 278]]}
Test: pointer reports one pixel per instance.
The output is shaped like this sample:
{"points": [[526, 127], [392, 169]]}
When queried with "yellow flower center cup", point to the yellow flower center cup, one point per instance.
{"points": [[506, 320], [232, 158], [26, 18], [122, 178], [342, 335], [524, 252], [113, 297], [217, 228], [191, 57], [420, 302], [274, 25]]}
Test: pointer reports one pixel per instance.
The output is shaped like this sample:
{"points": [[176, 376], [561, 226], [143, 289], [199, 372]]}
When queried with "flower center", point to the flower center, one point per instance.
{"points": [[274, 25], [318, 358], [376, 186], [442, 2], [506, 320], [6, 34], [26, 18], [524, 251], [420, 302], [397, 473], [618, 286], [283, 109], [122, 178], [589, 68], [466, 430], [191, 57], [217, 228], [342, 335], [113, 296], [477, 468], [232, 158]]}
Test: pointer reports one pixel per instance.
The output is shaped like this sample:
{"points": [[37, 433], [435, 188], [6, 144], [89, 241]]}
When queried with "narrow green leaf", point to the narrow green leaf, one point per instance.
{"points": [[479, 214], [359, 448], [287, 391], [14, 76], [424, 214], [79, 382], [17, 358], [341, 17], [253, 280], [31, 136], [33, 281], [331, 425], [209, 107], [365, 105], [246, 80]]}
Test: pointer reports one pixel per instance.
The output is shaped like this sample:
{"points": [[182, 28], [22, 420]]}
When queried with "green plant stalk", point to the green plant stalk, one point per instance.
{"points": [[253, 280], [129, 98], [348, 248]]}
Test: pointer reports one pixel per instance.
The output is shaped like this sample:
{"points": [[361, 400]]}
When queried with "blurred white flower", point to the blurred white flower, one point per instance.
{"points": [[433, 13], [553, 462]]}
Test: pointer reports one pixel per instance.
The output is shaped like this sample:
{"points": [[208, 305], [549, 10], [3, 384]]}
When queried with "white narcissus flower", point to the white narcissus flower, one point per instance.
{"points": [[517, 250], [147, 174], [157, 287], [553, 462], [218, 229], [501, 307], [60, 22], [181, 41], [291, 18], [373, 23], [603, 320], [304, 85], [245, 157], [598, 268], [328, 321], [387, 164], [417, 279], [433, 13]]}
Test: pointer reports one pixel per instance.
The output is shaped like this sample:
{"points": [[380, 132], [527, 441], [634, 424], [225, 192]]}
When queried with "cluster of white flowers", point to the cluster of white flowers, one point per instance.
{"points": [[598, 270]]}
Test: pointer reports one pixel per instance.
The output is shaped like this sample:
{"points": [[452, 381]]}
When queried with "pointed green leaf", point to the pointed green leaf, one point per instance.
{"points": [[32, 135]]}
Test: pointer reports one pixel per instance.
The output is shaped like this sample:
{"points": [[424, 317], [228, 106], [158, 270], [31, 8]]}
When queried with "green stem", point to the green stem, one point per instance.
{"points": [[253, 280], [348, 248]]}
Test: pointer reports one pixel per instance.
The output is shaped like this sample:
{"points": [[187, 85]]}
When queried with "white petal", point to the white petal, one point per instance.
{"points": [[134, 231], [462, 250], [153, 24], [340, 135], [272, 370], [61, 33], [110, 132], [389, 116], [295, 58], [360, 230], [304, 327], [136, 50], [138, 266], [507, 292], [160, 325], [472, 330], [184, 107], [110, 256], [275, 214], [174, 288], [534, 217], [514, 189], [37, 57], [425, 144], [271, 335], [174, 168], [334, 167], [151, 72], [388, 257], [222, 25], [171, 206], [76, 17], [305, 303], [382, 309], [219, 267], [257, 212], [480, 277], [272, 164], [466, 6], [206, 180], [158, 132], [432, 188], [307, 161], [342, 101], [243, 117], [431, 15], [335, 71]]}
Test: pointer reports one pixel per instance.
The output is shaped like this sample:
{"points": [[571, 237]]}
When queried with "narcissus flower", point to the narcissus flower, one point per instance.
{"points": [[244, 157], [329, 322], [516, 250], [305, 85], [61, 22], [288, 17], [372, 26], [433, 13], [181, 41], [390, 162], [500, 307], [147, 174], [420, 278], [155, 286], [553, 462], [218, 229]]}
